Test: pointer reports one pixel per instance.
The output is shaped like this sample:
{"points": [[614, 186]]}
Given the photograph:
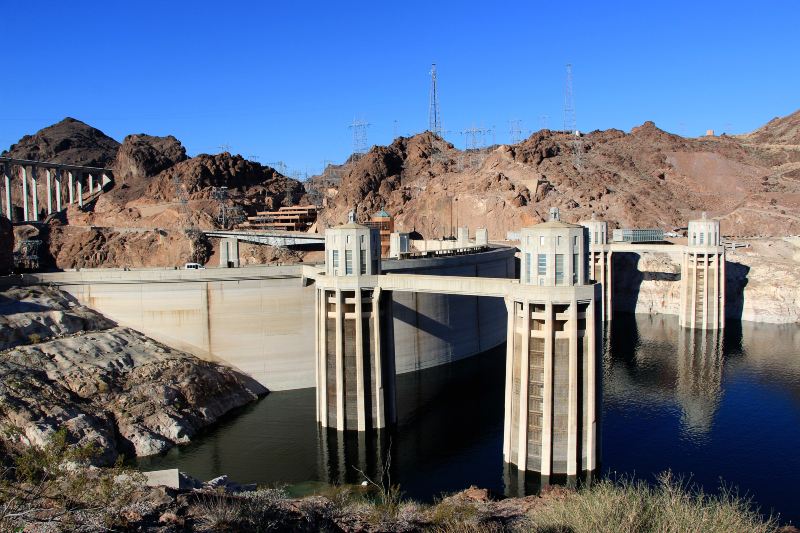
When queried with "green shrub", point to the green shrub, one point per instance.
{"points": [[54, 484]]}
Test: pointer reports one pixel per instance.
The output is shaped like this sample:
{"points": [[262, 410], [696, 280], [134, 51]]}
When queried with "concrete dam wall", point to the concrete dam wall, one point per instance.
{"points": [[261, 320]]}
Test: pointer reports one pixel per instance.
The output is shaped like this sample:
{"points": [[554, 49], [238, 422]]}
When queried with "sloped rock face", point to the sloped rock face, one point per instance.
{"points": [[142, 156], [69, 141], [65, 366], [29, 316], [780, 130]]}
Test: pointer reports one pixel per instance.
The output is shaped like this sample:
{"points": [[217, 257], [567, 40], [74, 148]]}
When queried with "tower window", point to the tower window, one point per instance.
{"points": [[575, 267], [528, 267], [542, 264], [348, 262], [559, 269], [335, 261]]}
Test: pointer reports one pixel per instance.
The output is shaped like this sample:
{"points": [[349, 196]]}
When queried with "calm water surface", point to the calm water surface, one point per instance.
{"points": [[710, 406]]}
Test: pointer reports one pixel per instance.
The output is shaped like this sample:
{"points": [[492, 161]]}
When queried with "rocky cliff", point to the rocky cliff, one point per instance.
{"points": [[63, 365], [762, 282], [645, 178]]}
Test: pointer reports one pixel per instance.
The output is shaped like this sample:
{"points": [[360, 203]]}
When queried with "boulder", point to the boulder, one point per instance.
{"points": [[142, 156]]}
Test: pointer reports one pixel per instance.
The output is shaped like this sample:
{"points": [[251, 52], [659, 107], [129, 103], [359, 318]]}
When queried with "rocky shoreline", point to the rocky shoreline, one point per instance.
{"points": [[63, 365]]}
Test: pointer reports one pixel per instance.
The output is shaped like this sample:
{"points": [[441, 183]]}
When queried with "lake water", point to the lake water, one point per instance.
{"points": [[706, 405]]}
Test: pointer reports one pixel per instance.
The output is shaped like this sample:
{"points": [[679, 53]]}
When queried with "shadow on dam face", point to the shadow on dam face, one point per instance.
{"points": [[448, 435]]}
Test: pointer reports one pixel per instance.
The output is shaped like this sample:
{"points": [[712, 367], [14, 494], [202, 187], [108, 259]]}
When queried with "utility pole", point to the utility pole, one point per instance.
{"points": [[434, 118]]}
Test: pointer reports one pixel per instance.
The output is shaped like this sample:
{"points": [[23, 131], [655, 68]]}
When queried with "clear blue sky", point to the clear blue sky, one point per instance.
{"points": [[282, 80]]}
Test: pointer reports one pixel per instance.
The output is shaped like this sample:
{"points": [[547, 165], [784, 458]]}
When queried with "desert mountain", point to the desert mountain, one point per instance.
{"points": [[69, 141], [645, 178]]}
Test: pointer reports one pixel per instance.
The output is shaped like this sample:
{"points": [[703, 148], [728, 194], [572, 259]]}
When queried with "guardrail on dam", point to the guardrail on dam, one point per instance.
{"points": [[261, 319]]}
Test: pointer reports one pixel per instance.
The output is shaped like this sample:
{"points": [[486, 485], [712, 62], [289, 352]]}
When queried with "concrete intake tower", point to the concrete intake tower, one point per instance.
{"points": [[554, 341]]}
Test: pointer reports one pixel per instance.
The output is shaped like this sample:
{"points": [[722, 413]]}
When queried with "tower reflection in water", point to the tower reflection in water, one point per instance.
{"points": [[668, 365], [699, 381]]}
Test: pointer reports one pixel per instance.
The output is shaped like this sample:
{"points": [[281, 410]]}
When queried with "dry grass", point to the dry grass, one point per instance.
{"points": [[636, 507]]}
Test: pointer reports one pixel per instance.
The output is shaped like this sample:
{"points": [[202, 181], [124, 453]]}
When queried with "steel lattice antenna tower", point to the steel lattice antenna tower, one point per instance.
{"points": [[434, 118], [359, 128], [570, 122]]}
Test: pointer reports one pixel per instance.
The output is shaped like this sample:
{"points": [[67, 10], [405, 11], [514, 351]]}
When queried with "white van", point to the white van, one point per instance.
{"points": [[194, 266]]}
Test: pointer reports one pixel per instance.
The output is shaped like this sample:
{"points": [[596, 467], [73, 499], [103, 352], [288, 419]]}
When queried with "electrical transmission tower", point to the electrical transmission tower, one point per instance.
{"points": [[475, 138], [570, 122], [182, 196], [227, 215], [434, 118], [544, 122], [359, 128], [280, 166], [515, 130]]}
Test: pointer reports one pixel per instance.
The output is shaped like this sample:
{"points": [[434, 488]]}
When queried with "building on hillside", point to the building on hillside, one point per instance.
{"points": [[384, 223], [294, 218]]}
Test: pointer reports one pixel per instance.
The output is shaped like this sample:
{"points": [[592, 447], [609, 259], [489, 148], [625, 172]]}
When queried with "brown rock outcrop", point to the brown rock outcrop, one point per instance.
{"points": [[258, 184], [69, 141], [142, 156]]}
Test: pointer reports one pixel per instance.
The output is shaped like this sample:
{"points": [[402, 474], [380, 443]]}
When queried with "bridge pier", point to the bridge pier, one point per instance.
{"points": [[703, 277], [59, 178], [70, 187], [229, 252], [24, 194], [79, 186], [30, 190], [7, 190], [35, 196], [48, 188]]}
